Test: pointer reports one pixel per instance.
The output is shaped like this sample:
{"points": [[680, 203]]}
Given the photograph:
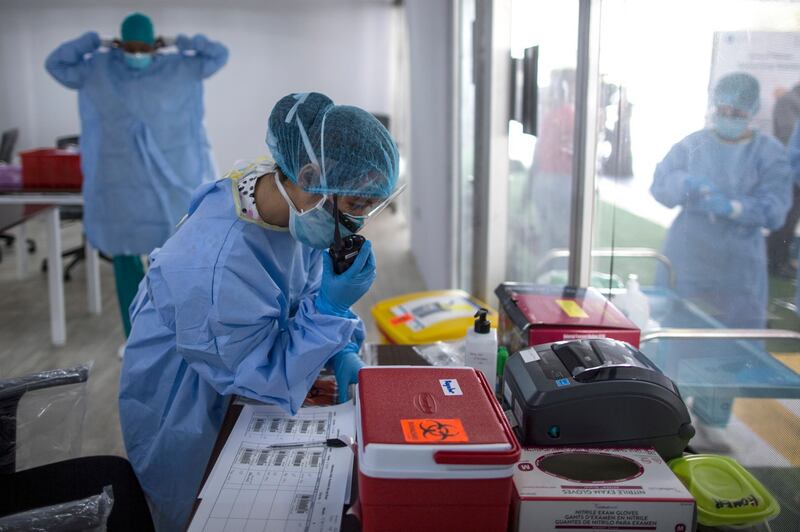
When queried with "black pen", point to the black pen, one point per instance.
{"points": [[330, 442]]}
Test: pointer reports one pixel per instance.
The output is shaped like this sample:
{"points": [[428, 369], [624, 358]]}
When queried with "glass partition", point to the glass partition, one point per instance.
{"points": [[540, 165], [693, 191], [466, 141], [676, 177]]}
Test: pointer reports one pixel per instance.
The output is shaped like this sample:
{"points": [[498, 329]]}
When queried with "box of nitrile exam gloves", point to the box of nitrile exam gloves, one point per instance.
{"points": [[532, 314], [562, 489]]}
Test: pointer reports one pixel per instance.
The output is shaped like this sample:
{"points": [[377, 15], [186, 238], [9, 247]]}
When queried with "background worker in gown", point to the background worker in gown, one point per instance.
{"points": [[785, 116], [731, 183], [794, 163], [143, 145]]}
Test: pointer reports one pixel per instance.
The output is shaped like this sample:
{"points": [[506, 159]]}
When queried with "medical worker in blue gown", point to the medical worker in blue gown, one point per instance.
{"points": [[143, 145], [731, 183], [242, 299]]}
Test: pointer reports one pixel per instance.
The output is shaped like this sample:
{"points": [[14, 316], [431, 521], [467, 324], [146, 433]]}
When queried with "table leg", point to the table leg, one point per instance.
{"points": [[22, 250], [55, 278], [93, 279]]}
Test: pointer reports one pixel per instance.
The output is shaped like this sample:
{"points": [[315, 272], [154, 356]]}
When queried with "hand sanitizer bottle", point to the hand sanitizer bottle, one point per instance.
{"points": [[481, 347], [636, 304]]}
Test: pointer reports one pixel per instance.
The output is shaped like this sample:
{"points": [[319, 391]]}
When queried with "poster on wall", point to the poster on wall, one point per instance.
{"points": [[772, 57]]}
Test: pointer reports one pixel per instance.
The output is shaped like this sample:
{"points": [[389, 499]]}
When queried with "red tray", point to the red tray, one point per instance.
{"points": [[51, 168]]}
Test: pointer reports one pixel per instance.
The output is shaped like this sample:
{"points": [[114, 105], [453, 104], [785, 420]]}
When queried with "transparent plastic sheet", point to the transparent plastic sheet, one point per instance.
{"points": [[443, 353], [369, 354], [41, 417], [84, 515]]}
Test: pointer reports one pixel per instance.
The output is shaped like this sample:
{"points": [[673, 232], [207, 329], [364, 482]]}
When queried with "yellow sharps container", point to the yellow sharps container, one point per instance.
{"points": [[428, 317]]}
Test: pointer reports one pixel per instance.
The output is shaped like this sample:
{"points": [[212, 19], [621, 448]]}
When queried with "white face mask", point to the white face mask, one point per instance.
{"points": [[728, 127], [313, 227], [138, 60]]}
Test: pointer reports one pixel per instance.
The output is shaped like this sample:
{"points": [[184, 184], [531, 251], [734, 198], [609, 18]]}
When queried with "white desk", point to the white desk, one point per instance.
{"points": [[55, 274]]}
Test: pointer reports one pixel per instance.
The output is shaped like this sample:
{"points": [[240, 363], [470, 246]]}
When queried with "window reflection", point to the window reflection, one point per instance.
{"points": [[540, 168], [695, 171], [730, 182]]}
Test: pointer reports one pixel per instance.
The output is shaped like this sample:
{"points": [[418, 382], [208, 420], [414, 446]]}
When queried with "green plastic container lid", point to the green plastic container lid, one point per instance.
{"points": [[726, 494]]}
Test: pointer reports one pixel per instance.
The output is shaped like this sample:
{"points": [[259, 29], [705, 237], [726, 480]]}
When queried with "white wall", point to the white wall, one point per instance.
{"points": [[432, 92], [342, 48], [348, 49]]}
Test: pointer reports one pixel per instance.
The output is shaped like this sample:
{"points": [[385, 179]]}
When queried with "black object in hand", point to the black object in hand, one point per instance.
{"points": [[343, 251]]}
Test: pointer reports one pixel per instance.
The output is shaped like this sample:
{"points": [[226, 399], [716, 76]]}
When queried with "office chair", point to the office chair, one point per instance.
{"points": [[67, 480], [7, 143]]}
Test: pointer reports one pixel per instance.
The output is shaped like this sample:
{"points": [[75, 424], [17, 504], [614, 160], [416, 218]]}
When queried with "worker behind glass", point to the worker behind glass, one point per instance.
{"points": [[731, 182], [794, 161]]}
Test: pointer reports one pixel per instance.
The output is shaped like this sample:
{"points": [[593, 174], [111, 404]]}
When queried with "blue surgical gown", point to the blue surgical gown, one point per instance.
{"points": [[226, 308], [722, 262], [143, 144]]}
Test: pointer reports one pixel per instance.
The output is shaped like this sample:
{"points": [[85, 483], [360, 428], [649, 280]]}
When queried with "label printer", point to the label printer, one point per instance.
{"points": [[594, 393]]}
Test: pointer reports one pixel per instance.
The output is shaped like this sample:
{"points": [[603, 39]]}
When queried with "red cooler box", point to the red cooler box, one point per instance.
{"points": [[532, 314], [435, 451]]}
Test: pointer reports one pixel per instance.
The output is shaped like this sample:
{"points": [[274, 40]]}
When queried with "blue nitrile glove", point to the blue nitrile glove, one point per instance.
{"points": [[184, 43], [197, 43], [338, 293], [698, 187], [716, 204], [88, 42], [345, 365]]}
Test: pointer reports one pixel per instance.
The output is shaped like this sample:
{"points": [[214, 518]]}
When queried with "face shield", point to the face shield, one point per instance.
{"points": [[360, 199], [355, 212]]}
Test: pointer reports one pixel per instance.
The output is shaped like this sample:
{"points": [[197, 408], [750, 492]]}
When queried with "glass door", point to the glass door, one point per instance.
{"points": [[465, 135], [694, 190], [541, 159]]}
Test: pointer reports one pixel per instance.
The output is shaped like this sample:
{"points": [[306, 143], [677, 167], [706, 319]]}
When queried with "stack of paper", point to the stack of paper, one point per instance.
{"points": [[263, 482]]}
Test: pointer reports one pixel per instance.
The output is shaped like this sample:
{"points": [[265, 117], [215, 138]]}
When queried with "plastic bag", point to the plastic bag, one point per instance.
{"points": [[41, 417], [369, 354], [84, 515], [438, 354], [10, 176], [443, 353]]}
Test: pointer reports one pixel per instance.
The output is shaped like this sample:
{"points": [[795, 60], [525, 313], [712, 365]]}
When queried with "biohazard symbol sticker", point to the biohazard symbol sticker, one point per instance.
{"points": [[434, 431]]}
